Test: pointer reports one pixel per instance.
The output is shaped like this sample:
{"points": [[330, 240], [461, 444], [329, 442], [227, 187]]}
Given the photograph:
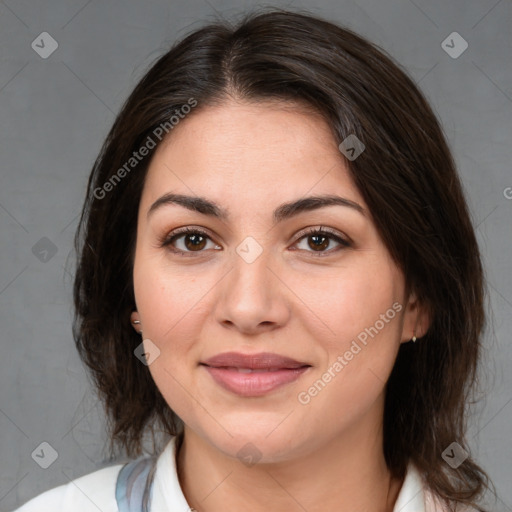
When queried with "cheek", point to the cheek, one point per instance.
{"points": [[349, 300], [172, 313], [169, 301], [361, 312]]}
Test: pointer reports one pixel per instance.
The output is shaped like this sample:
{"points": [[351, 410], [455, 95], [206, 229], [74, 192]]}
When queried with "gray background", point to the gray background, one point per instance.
{"points": [[54, 114]]}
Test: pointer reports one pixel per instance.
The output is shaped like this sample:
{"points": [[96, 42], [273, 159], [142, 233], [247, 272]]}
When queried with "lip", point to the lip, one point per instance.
{"points": [[252, 375], [263, 360]]}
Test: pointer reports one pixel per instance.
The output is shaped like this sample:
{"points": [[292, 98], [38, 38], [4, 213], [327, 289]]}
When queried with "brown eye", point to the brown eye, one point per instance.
{"points": [[319, 240], [188, 240], [194, 242]]}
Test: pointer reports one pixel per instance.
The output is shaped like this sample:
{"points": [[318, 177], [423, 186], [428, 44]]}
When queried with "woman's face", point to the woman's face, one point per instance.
{"points": [[255, 277]]}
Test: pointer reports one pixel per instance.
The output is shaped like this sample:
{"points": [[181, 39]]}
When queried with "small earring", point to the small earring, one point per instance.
{"points": [[137, 322], [413, 339]]}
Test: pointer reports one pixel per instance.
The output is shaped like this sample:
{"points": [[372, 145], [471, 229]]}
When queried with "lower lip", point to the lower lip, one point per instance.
{"points": [[255, 383]]}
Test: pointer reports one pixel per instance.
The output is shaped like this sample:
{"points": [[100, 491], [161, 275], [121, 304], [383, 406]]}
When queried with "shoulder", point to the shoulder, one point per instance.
{"points": [[88, 493]]}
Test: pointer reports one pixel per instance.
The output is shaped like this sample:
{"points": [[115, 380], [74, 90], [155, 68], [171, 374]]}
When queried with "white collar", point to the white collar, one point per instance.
{"points": [[168, 496]]}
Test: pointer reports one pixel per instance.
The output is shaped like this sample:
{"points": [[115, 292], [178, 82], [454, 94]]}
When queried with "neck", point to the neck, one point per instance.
{"points": [[343, 474]]}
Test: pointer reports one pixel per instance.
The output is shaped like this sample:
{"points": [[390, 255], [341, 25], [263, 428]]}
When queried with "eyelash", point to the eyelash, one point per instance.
{"points": [[167, 240]]}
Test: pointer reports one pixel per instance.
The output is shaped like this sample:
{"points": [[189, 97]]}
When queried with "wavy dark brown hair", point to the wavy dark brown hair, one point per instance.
{"points": [[406, 176]]}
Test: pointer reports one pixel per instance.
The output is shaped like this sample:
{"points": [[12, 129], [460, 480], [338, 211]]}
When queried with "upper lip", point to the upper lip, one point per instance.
{"points": [[253, 361]]}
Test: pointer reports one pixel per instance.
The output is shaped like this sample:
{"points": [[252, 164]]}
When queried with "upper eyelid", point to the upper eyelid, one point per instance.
{"points": [[322, 229]]}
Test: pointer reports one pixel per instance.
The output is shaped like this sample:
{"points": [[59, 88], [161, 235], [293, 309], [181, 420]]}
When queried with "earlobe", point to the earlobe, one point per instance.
{"points": [[416, 320], [135, 321]]}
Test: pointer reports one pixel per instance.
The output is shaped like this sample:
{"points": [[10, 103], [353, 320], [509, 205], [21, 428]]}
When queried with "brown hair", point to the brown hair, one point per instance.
{"points": [[406, 176]]}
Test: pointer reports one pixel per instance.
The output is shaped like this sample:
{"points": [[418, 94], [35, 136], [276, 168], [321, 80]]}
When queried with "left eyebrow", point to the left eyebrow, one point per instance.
{"points": [[287, 210], [282, 212]]}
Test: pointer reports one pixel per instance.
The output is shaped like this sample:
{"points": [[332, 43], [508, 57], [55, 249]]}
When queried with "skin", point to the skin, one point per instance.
{"points": [[250, 158]]}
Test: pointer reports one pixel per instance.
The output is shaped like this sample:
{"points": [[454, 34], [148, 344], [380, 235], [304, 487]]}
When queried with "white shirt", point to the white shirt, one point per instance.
{"points": [[96, 491]]}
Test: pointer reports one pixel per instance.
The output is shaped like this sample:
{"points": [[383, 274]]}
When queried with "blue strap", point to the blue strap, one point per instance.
{"points": [[134, 485]]}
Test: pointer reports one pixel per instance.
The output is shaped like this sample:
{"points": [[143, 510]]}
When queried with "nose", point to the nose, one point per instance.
{"points": [[253, 297]]}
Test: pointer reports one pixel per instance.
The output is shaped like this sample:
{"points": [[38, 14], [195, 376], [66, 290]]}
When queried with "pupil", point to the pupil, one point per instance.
{"points": [[197, 241], [316, 239]]}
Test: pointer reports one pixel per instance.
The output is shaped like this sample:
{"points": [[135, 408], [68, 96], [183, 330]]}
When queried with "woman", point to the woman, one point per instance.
{"points": [[278, 274]]}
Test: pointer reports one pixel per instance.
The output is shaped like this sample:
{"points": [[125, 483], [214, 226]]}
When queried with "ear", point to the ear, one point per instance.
{"points": [[417, 319], [135, 321]]}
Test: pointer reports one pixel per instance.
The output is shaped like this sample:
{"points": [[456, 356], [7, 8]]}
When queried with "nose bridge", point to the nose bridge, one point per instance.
{"points": [[251, 276], [252, 295]]}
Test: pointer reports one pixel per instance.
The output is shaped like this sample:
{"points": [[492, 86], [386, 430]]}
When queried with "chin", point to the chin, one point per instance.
{"points": [[267, 444]]}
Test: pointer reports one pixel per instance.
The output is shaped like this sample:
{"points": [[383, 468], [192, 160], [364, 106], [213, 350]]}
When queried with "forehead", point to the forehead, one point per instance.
{"points": [[266, 149]]}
